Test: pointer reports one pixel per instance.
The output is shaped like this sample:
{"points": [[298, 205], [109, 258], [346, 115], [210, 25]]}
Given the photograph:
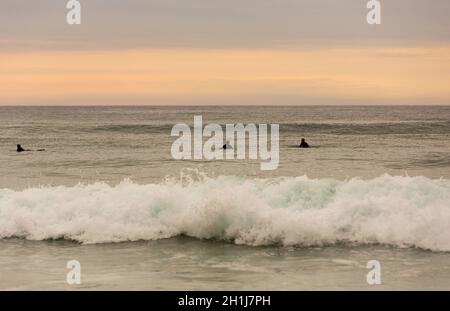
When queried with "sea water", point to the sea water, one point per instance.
{"points": [[374, 186]]}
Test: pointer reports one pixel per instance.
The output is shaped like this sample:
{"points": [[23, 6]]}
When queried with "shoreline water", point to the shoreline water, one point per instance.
{"points": [[189, 264]]}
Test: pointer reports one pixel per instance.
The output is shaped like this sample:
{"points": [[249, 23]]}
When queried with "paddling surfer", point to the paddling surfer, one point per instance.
{"points": [[20, 149]]}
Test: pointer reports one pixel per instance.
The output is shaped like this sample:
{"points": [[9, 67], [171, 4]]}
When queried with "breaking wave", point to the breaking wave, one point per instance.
{"points": [[397, 211]]}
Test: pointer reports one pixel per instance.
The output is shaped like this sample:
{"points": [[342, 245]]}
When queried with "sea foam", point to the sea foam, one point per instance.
{"points": [[397, 211]]}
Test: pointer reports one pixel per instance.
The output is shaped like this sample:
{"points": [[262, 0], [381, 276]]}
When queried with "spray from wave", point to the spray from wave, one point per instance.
{"points": [[397, 211]]}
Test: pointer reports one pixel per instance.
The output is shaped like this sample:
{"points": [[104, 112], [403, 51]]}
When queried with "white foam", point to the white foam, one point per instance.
{"points": [[398, 211]]}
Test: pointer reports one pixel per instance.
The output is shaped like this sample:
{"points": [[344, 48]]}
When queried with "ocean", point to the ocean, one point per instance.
{"points": [[106, 192]]}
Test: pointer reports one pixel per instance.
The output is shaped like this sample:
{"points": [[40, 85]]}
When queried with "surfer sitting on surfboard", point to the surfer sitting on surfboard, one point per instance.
{"points": [[303, 144], [20, 149]]}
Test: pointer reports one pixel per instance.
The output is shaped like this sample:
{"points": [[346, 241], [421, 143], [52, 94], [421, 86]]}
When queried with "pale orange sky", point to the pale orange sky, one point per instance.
{"points": [[215, 52], [414, 75]]}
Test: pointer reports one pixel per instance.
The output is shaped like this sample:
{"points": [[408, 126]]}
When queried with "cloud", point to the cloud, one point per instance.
{"points": [[224, 52], [116, 24]]}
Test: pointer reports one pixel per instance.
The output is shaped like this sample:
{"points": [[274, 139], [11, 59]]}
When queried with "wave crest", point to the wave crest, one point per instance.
{"points": [[398, 211]]}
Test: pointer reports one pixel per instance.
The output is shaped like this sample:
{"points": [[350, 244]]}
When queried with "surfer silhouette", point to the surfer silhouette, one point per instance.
{"points": [[227, 146], [303, 144], [20, 149]]}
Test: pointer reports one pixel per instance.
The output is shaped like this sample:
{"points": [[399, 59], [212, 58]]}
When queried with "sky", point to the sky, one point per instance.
{"points": [[211, 52]]}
